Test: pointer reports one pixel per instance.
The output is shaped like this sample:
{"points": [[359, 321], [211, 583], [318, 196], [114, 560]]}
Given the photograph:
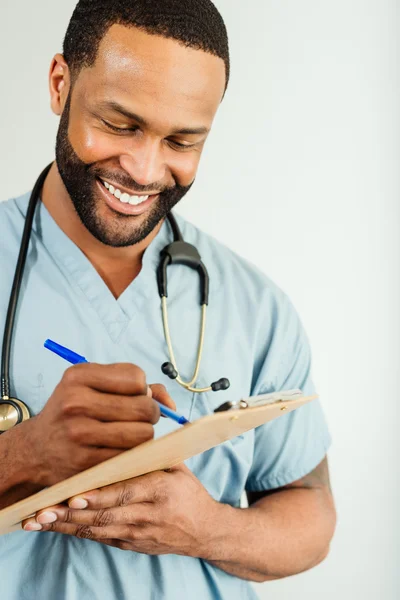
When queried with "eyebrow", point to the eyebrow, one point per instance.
{"points": [[113, 105]]}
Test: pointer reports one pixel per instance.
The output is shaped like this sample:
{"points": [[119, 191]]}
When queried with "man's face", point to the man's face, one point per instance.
{"points": [[137, 120]]}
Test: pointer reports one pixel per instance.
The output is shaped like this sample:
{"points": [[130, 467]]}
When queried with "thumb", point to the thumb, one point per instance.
{"points": [[159, 393]]}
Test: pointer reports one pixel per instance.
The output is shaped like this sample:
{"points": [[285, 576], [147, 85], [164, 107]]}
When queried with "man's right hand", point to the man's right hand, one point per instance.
{"points": [[95, 412]]}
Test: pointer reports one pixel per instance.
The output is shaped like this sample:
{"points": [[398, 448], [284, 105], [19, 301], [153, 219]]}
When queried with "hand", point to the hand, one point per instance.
{"points": [[165, 512], [95, 413]]}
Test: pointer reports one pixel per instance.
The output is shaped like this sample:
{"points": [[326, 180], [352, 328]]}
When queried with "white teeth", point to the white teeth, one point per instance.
{"points": [[134, 200], [124, 197]]}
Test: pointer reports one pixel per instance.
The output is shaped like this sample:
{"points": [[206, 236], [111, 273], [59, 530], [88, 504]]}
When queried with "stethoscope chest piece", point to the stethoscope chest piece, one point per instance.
{"points": [[12, 412]]}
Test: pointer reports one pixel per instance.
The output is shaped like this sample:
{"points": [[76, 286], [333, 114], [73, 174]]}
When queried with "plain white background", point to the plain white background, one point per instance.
{"points": [[300, 175]]}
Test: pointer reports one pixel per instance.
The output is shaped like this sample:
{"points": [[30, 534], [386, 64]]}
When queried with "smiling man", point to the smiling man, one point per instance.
{"points": [[137, 88]]}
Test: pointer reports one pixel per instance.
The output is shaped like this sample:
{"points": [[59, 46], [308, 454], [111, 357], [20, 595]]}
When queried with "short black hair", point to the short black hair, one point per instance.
{"points": [[194, 23]]}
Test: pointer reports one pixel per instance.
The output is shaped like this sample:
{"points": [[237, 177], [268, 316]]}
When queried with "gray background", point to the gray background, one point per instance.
{"points": [[300, 175]]}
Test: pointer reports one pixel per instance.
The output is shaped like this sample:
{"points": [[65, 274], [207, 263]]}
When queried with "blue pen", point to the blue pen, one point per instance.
{"points": [[74, 358]]}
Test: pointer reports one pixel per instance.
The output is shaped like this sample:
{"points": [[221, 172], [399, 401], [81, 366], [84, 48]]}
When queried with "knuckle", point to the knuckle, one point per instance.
{"points": [[161, 495], [103, 518], [125, 496], [84, 532], [68, 518], [160, 490], [75, 431], [70, 405], [135, 373], [70, 376]]}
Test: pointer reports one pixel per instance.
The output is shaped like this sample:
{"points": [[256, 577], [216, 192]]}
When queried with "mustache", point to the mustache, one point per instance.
{"points": [[131, 184]]}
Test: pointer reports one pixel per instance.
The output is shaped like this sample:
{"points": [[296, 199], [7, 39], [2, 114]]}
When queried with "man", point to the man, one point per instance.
{"points": [[137, 89]]}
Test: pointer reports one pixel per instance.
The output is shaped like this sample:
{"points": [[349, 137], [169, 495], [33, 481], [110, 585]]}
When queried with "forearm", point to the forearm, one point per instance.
{"points": [[17, 475], [281, 535]]}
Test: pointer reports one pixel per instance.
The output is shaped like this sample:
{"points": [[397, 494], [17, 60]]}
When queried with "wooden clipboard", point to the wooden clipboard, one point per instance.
{"points": [[155, 455]]}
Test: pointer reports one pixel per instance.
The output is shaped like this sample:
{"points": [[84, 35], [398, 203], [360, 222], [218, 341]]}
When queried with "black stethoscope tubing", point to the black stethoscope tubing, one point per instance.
{"points": [[15, 292]]}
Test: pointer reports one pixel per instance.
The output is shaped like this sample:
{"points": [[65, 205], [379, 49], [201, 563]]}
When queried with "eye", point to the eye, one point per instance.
{"points": [[179, 146], [119, 129]]}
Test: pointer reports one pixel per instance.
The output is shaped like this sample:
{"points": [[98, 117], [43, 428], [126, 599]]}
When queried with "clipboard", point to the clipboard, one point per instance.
{"points": [[228, 421]]}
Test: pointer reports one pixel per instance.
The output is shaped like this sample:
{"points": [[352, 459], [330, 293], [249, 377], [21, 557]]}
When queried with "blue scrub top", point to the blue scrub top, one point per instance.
{"points": [[253, 337]]}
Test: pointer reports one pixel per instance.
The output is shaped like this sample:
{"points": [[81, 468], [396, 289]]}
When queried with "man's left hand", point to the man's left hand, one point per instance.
{"points": [[165, 512]]}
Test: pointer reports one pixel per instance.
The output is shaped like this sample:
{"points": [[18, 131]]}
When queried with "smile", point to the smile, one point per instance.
{"points": [[123, 196]]}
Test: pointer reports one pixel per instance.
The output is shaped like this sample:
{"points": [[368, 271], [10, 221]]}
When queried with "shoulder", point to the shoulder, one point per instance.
{"points": [[263, 309], [231, 273]]}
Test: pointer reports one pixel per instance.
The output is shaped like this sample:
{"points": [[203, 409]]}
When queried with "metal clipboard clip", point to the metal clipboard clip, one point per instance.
{"points": [[262, 400]]}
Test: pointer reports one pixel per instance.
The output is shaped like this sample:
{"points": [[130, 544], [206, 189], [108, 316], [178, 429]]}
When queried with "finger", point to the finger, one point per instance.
{"points": [[139, 489], [135, 514], [120, 378], [88, 532], [46, 515], [161, 395], [116, 435], [109, 407]]}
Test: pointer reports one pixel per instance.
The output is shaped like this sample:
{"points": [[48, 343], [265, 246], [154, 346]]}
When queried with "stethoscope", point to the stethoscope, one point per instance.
{"points": [[14, 411]]}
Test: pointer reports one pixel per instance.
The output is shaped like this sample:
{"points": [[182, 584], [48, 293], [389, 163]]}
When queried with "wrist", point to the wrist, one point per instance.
{"points": [[19, 476], [25, 467], [219, 533]]}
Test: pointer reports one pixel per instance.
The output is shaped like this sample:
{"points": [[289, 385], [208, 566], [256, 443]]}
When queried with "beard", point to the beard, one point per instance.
{"points": [[80, 181]]}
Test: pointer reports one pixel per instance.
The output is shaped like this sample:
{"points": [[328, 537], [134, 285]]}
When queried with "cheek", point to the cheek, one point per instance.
{"points": [[184, 167], [92, 145]]}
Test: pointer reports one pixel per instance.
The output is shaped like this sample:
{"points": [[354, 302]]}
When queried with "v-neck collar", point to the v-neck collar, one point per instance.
{"points": [[114, 313]]}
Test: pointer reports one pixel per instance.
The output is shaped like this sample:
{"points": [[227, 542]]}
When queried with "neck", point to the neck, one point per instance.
{"points": [[118, 267]]}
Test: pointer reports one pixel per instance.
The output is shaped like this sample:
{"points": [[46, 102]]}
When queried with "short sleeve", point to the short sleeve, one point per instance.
{"points": [[292, 445]]}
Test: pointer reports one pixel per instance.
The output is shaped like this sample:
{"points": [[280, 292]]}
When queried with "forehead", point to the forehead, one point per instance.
{"points": [[156, 71]]}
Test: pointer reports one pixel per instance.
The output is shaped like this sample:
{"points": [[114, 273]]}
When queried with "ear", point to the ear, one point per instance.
{"points": [[59, 83]]}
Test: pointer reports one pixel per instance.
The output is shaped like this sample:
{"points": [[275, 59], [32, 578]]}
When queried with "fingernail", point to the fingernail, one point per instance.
{"points": [[78, 503], [46, 517], [149, 391], [32, 527]]}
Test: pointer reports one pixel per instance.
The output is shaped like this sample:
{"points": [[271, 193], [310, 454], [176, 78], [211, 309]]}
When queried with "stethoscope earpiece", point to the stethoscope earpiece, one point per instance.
{"points": [[221, 385], [169, 370]]}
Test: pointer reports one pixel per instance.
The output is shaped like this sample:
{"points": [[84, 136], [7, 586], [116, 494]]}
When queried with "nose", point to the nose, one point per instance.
{"points": [[145, 162]]}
